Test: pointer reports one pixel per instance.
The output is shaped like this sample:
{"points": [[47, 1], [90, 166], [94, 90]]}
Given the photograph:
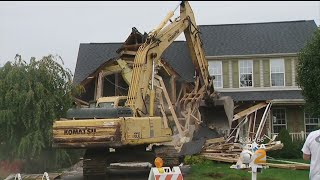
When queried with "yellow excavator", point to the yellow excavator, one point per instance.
{"points": [[147, 116]]}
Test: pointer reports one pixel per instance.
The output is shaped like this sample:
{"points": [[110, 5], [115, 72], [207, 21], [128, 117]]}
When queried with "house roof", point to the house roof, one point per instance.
{"points": [[91, 56], [264, 95], [219, 40], [256, 38], [178, 57]]}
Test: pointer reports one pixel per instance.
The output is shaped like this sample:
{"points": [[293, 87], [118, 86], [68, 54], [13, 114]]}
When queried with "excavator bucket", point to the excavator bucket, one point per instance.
{"points": [[218, 114]]}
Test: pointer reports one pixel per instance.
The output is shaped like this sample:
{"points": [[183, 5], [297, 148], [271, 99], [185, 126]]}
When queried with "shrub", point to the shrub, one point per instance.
{"points": [[192, 160], [290, 150]]}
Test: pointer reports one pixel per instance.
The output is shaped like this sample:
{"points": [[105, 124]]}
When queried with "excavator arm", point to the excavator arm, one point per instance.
{"points": [[150, 52]]}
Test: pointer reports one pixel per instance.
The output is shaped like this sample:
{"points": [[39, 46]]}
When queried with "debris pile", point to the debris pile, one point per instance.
{"points": [[218, 149]]}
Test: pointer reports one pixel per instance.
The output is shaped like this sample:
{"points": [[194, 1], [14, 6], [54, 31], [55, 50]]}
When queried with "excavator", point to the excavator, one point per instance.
{"points": [[148, 123]]}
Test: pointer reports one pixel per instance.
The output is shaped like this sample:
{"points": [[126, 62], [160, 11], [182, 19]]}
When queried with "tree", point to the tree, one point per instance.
{"points": [[32, 96], [309, 74]]}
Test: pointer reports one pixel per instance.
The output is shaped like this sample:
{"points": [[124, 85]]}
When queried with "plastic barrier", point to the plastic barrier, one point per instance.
{"points": [[17, 177], [45, 176], [165, 173]]}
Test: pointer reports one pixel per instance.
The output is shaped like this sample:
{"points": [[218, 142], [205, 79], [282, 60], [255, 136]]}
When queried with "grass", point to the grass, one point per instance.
{"points": [[210, 170]]}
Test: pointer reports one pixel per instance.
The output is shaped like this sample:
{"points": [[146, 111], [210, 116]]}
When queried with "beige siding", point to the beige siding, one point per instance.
{"points": [[288, 72], [235, 78], [266, 72], [225, 70], [256, 73]]}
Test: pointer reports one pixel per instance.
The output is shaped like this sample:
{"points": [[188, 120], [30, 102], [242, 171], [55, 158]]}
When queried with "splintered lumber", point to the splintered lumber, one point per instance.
{"points": [[219, 150], [289, 166], [220, 158], [215, 140], [274, 147]]}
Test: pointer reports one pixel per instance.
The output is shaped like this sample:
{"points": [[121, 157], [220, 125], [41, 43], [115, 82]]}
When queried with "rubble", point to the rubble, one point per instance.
{"points": [[218, 149]]}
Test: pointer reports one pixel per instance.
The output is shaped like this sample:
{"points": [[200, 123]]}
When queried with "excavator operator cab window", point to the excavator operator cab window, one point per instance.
{"points": [[106, 105], [92, 104], [122, 102]]}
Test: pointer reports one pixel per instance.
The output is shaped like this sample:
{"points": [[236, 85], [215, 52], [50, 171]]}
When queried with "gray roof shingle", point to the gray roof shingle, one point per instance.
{"points": [[91, 56], [264, 95], [256, 38], [178, 57]]}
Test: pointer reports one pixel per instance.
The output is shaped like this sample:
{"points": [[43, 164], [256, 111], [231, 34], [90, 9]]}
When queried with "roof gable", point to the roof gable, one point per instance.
{"points": [[91, 56]]}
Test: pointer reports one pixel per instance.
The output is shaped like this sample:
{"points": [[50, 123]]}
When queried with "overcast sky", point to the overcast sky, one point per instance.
{"points": [[41, 28]]}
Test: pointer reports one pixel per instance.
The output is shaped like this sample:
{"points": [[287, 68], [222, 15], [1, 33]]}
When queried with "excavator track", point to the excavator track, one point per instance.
{"points": [[169, 155], [95, 164]]}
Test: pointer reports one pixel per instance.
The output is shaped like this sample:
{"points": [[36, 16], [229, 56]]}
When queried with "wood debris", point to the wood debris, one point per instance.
{"points": [[290, 166], [218, 149]]}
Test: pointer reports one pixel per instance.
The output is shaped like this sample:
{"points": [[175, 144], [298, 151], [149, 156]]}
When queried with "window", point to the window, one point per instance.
{"points": [[311, 123], [278, 120], [215, 69], [245, 71], [277, 72]]}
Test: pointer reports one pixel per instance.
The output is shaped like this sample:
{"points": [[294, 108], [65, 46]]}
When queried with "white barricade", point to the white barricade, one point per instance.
{"points": [[45, 176], [165, 173], [17, 177]]}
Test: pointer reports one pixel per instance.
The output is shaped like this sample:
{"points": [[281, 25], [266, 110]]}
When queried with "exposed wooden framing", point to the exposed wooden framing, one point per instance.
{"points": [[262, 122], [116, 82], [173, 89], [171, 108], [250, 125], [99, 90], [81, 101], [180, 94], [249, 110], [254, 122], [186, 126], [161, 107]]}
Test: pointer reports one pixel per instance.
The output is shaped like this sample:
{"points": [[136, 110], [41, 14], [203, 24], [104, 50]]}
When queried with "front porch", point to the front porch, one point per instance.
{"points": [[254, 120]]}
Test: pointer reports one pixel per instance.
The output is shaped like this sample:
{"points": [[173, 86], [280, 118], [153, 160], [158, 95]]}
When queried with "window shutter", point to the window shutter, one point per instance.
{"points": [[266, 72], [225, 73], [256, 73], [288, 72], [235, 69]]}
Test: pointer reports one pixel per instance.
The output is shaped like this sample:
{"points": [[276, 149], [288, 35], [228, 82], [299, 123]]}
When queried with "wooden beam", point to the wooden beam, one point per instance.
{"points": [[116, 82], [173, 89], [171, 108], [249, 110]]}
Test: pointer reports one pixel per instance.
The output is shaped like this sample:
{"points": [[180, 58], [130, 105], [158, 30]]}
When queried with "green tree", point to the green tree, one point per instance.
{"points": [[309, 74], [32, 96]]}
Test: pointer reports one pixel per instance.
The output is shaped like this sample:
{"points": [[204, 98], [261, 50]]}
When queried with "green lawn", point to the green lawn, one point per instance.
{"points": [[221, 171]]}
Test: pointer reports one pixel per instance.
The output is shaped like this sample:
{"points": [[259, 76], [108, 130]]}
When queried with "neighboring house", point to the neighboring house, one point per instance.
{"points": [[252, 63]]}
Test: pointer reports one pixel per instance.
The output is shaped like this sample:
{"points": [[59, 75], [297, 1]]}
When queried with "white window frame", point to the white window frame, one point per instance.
{"points": [[284, 72], [285, 118], [305, 123], [252, 84], [216, 74]]}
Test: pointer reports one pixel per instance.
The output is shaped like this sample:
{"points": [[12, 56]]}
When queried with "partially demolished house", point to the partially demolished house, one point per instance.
{"points": [[254, 63]]}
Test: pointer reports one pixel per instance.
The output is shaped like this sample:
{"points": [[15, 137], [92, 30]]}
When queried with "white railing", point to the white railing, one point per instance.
{"points": [[295, 136]]}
